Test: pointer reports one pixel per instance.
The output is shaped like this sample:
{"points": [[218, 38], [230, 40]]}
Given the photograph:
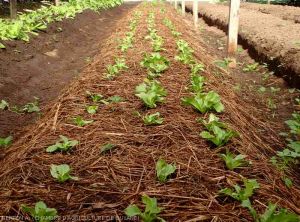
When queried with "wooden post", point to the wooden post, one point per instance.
{"points": [[56, 2], [233, 28], [195, 12], [13, 8], [269, 2], [183, 7], [176, 4]]}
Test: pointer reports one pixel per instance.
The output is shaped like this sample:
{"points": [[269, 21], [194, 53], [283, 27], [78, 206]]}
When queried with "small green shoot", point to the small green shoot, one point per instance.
{"points": [[151, 92], [204, 102], [64, 144], [164, 170], [153, 119], [150, 213], [92, 109], [251, 67], [217, 132], [79, 121], [3, 105], [61, 173], [155, 63], [223, 63], [5, 142], [31, 107], [40, 213], [94, 96], [107, 147], [232, 162]]}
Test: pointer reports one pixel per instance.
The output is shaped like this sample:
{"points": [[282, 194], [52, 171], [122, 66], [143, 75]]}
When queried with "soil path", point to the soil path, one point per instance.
{"points": [[271, 39], [49, 61]]}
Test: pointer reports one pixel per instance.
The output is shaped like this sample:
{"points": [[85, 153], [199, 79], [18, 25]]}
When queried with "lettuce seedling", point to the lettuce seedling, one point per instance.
{"points": [[107, 147], [61, 173], [31, 107], [114, 70], [153, 119], [115, 99], [197, 83], [92, 109], [196, 68], [79, 121], [64, 144], [185, 52], [233, 161], [218, 133], [204, 102], [3, 105], [151, 92], [243, 194], [155, 63], [163, 170], [251, 67], [150, 213], [294, 124], [95, 97], [5, 142], [41, 213], [272, 215]]}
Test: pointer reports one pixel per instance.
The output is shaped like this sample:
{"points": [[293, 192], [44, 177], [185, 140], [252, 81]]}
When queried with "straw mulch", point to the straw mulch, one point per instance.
{"points": [[110, 182]]}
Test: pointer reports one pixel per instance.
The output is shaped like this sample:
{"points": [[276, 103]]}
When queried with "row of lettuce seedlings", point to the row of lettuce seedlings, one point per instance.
{"points": [[220, 134], [62, 173]]}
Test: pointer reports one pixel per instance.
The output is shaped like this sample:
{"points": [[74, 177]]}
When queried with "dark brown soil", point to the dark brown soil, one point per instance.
{"points": [[45, 65], [270, 38]]}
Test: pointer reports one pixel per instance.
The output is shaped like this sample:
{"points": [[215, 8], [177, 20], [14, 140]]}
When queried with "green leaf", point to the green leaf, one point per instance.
{"points": [[271, 215], [61, 172], [64, 144], [108, 146], [232, 162], [3, 104], [2, 46], [41, 213], [92, 109], [79, 121], [153, 119], [163, 170], [5, 142], [132, 210]]}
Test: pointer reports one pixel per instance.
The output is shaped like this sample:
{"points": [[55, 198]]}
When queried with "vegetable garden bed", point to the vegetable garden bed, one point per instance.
{"points": [[172, 137]]}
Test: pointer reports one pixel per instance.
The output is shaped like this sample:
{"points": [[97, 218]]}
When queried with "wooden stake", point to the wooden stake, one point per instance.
{"points": [[195, 12], [176, 4], [233, 29], [13, 8], [56, 2], [183, 7]]}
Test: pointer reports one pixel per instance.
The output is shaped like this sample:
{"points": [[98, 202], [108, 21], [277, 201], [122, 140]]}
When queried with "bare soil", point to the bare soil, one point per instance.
{"points": [[45, 65], [270, 38], [110, 182], [283, 12]]}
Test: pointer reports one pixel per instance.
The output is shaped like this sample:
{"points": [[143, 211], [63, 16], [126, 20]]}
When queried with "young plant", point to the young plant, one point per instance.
{"points": [[196, 68], [40, 213], [151, 93], [155, 63], [3, 105], [150, 213], [223, 63], [31, 107], [92, 109], [5, 142], [107, 147], [153, 119], [218, 133], [64, 144], [197, 83], [115, 99], [185, 52], [163, 170], [95, 97], [232, 162], [61, 173], [273, 215], [114, 70], [243, 194], [204, 102], [251, 67], [79, 121]]}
